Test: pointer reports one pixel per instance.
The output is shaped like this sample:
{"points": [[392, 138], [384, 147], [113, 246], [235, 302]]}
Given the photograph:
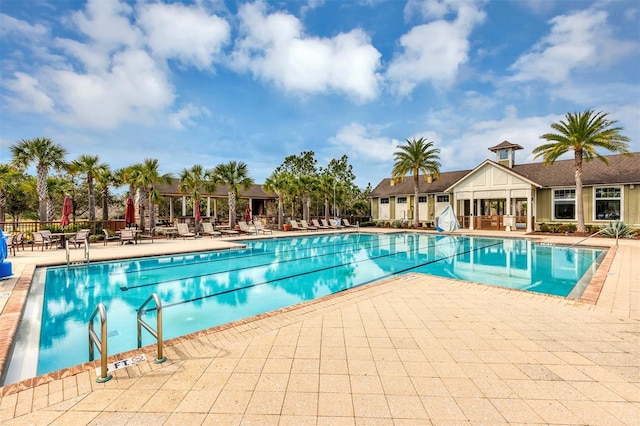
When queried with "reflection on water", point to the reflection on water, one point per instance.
{"points": [[202, 290]]}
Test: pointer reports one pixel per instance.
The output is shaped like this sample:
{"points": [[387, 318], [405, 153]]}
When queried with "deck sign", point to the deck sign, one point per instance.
{"points": [[123, 363]]}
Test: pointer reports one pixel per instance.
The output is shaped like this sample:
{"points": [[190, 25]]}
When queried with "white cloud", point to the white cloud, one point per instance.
{"points": [[577, 42], [434, 51], [185, 33], [30, 96], [108, 24], [364, 142], [275, 49], [184, 117], [10, 26]]}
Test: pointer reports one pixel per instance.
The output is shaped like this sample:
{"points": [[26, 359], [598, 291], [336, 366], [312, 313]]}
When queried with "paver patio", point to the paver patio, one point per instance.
{"points": [[412, 350]]}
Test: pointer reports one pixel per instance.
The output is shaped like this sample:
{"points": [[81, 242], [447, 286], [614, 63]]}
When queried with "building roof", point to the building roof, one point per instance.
{"points": [[622, 169], [505, 145], [405, 186], [255, 191]]}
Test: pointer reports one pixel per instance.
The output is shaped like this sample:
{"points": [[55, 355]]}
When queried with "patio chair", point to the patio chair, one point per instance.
{"points": [[183, 231], [127, 235], [317, 224], [80, 237], [295, 226], [39, 240], [261, 229], [207, 229], [147, 235], [108, 237], [11, 244], [18, 241], [306, 226], [346, 223], [244, 228], [46, 234], [334, 224]]}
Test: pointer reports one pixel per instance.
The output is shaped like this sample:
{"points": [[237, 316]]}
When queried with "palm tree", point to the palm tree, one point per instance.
{"points": [[105, 179], [582, 133], [193, 181], [235, 175], [278, 183], [46, 155], [146, 177], [90, 166], [415, 157]]}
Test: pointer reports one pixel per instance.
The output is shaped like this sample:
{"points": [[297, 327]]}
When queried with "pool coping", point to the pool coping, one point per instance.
{"points": [[12, 313]]}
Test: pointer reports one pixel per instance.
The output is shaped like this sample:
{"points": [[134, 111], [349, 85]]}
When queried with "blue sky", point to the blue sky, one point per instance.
{"points": [[206, 82]]}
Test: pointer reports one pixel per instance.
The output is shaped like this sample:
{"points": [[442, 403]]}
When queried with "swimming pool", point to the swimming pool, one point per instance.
{"points": [[203, 290]]}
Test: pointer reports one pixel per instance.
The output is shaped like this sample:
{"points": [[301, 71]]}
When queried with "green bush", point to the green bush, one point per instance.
{"points": [[544, 227], [397, 224]]}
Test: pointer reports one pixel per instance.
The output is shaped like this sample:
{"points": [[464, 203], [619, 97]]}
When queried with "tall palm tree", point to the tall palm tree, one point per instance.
{"points": [[278, 183], [90, 166], [105, 179], [147, 176], [415, 157], [46, 155], [235, 175], [583, 133], [193, 181]]}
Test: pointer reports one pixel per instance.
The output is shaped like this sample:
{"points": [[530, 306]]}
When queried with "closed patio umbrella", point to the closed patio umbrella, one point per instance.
{"points": [[129, 213], [247, 213], [66, 211]]}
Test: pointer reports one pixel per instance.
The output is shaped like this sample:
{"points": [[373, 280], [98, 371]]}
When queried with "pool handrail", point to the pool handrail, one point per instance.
{"points": [[155, 333], [101, 342]]}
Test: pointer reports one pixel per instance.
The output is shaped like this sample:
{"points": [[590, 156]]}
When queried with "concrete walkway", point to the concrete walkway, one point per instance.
{"points": [[412, 350]]}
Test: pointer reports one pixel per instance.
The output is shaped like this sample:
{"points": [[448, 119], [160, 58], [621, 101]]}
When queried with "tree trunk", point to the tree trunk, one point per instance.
{"points": [[579, 201], [280, 213], [105, 204], [3, 202], [41, 189], [232, 209], [51, 208], [416, 188], [326, 207], [92, 199]]}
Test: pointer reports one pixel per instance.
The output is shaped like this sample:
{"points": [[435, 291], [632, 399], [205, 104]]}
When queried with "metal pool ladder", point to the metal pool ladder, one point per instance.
{"points": [[86, 254], [155, 333], [100, 342]]}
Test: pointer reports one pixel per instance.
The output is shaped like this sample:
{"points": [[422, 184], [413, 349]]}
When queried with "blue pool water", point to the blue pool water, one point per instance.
{"points": [[203, 290]]}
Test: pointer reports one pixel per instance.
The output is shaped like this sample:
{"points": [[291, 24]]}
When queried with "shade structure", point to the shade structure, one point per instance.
{"points": [[196, 211], [66, 211], [129, 213], [247, 213]]}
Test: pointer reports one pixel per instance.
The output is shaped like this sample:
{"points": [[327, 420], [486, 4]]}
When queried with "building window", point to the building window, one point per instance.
{"points": [[564, 204], [608, 203], [402, 200], [442, 198], [422, 199], [384, 201], [503, 154]]}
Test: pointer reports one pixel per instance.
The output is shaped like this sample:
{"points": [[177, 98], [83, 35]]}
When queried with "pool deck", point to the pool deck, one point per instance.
{"points": [[412, 350]]}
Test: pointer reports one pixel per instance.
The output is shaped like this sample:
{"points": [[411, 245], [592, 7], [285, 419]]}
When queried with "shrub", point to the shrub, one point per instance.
{"points": [[397, 224], [544, 227]]}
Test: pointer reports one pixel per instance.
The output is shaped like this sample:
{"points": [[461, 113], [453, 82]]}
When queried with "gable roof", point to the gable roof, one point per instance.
{"points": [[405, 186], [621, 169], [255, 191], [505, 145], [494, 164]]}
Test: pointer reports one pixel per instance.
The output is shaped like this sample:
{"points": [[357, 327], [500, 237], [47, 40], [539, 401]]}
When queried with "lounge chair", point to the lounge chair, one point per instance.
{"points": [[147, 235], [334, 224], [80, 237], [244, 228], [127, 235], [295, 226], [108, 237], [183, 231], [39, 240], [306, 226], [326, 224], [207, 229], [317, 224], [261, 229], [346, 223]]}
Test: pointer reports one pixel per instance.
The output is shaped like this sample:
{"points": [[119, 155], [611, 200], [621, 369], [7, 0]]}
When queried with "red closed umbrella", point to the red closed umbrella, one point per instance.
{"points": [[129, 213], [247, 213], [66, 211]]}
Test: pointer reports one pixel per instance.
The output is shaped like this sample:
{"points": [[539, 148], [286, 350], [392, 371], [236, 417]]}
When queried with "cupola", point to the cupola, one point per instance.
{"points": [[506, 153]]}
